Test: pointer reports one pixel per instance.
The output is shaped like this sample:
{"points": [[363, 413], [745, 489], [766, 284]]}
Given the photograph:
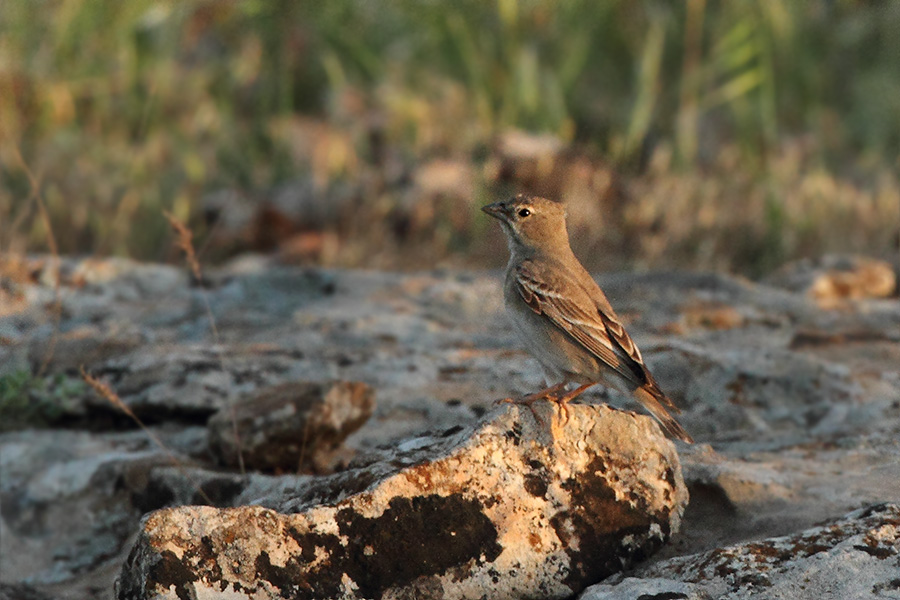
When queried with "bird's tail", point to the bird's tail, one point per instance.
{"points": [[653, 401]]}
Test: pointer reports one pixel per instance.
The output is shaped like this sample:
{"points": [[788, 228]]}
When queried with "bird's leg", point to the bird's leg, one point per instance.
{"points": [[574, 393], [563, 400], [545, 394]]}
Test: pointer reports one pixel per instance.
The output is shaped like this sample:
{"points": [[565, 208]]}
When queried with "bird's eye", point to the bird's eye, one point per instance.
{"points": [[524, 212]]}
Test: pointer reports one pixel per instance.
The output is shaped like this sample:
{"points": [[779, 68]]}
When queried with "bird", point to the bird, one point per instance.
{"points": [[564, 319]]}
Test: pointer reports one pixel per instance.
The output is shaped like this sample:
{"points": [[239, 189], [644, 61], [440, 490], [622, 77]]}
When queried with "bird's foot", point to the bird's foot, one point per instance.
{"points": [[564, 412], [574, 393], [550, 394], [545, 394], [563, 401]]}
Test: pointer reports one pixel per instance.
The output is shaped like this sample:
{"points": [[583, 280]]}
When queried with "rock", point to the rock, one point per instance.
{"points": [[770, 391], [836, 277], [852, 557], [278, 219], [446, 178], [66, 351], [294, 426], [191, 382], [66, 500], [800, 405], [711, 315], [645, 588], [21, 591], [124, 278], [523, 505]]}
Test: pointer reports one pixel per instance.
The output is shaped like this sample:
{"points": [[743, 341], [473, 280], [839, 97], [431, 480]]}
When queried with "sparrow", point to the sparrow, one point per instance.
{"points": [[563, 317]]}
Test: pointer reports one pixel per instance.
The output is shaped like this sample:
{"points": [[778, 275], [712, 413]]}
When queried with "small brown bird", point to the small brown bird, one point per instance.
{"points": [[564, 318]]}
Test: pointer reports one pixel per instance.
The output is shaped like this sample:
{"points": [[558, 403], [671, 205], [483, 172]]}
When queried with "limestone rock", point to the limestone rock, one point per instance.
{"points": [[294, 426], [66, 500], [523, 505], [66, 351], [852, 557], [20, 591], [645, 588], [191, 383], [766, 390], [801, 405]]}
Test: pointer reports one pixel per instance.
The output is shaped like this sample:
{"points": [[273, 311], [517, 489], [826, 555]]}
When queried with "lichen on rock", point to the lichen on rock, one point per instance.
{"points": [[851, 557], [521, 505]]}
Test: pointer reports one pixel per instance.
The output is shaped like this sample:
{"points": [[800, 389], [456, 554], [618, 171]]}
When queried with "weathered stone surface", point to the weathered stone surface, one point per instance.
{"points": [[192, 382], [522, 505], [769, 391], [81, 346], [70, 492], [290, 427], [853, 557], [811, 437], [20, 591]]}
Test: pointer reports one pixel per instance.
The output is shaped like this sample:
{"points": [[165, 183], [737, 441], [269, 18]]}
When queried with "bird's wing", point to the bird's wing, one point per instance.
{"points": [[624, 342], [570, 307]]}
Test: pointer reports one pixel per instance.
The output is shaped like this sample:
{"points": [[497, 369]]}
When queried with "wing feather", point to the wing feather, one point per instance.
{"points": [[601, 334]]}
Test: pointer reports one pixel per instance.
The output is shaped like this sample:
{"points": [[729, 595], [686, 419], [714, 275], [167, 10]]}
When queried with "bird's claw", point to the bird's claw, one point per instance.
{"points": [[563, 409]]}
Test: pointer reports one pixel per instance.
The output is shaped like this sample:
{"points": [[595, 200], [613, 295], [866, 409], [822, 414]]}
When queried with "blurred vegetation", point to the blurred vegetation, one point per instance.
{"points": [[31, 401], [773, 120]]}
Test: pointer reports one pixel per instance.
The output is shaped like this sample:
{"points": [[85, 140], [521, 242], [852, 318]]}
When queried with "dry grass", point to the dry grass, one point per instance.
{"points": [[184, 242], [164, 104]]}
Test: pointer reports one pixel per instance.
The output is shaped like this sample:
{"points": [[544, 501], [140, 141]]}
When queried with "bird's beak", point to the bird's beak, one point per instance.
{"points": [[496, 210]]}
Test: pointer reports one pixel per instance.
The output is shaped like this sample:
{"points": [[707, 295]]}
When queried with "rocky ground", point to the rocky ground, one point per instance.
{"points": [[792, 390]]}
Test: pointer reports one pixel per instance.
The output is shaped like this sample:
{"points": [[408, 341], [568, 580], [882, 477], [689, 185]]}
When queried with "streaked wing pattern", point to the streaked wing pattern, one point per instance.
{"points": [[601, 335], [621, 338]]}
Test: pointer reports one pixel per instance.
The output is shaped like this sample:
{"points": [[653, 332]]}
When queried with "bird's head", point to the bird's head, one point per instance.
{"points": [[531, 223]]}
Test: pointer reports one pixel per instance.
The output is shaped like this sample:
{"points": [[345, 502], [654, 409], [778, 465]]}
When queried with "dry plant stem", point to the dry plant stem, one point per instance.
{"points": [[185, 242], [303, 445], [35, 196], [103, 390], [237, 439]]}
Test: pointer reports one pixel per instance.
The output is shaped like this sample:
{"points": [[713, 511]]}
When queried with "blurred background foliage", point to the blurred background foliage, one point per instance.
{"points": [[699, 134]]}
